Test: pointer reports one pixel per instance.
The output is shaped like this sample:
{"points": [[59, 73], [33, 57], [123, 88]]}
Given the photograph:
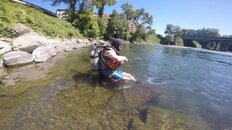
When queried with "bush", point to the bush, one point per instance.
{"points": [[178, 41], [7, 32], [87, 23], [117, 27], [152, 38], [168, 40], [102, 23], [197, 44]]}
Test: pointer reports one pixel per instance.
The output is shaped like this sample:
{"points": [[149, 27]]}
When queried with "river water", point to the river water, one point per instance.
{"points": [[177, 88]]}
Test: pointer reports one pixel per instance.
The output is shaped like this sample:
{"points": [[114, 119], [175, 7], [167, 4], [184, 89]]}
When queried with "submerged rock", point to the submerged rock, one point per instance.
{"points": [[133, 97], [154, 118], [16, 58]]}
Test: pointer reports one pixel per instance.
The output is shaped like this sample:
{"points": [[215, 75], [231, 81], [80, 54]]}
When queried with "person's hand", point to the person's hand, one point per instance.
{"points": [[125, 59]]}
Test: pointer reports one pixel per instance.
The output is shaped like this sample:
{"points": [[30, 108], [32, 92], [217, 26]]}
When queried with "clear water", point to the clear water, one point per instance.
{"points": [[178, 88], [198, 83]]}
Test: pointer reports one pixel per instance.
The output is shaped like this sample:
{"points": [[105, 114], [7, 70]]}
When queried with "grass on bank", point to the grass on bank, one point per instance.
{"points": [[12, 13]]}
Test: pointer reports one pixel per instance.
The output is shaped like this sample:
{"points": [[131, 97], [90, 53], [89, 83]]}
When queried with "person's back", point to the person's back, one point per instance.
{"points": [[111, 60]]}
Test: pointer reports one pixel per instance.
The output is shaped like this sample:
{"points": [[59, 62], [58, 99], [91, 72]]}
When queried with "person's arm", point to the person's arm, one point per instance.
{"points": [[113, 55]]}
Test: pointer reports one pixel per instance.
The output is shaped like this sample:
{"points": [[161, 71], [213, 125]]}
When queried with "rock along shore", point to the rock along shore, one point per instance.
{"points": [[32, 47]]}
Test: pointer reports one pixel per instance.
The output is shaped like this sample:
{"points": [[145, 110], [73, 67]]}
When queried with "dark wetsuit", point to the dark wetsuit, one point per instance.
{"points": [[110, 66]]}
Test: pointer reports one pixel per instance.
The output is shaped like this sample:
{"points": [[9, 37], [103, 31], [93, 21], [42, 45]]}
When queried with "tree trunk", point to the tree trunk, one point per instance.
{"points": [[101, 11]]}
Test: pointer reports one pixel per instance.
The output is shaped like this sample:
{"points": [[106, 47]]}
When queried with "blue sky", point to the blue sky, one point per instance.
{"points": [[189, 14]]}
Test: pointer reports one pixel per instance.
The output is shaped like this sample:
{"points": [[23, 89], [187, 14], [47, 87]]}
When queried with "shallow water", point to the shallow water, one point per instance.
{"points": [[177, 89], [198, 82]]}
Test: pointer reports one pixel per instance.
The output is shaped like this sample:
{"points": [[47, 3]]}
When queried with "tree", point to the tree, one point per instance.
{"points": [[100, 4], [142, 19], [173, 30], [170, 29], [102, 23], [139, 35], [178, 41], [152, 37], [117, 26], [86, 5], [87, 23], [129, 12], [168, 40]]}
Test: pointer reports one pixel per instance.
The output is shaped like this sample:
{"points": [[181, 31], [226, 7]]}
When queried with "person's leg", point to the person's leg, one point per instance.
{"points": [[116, 76], [120, 75]]}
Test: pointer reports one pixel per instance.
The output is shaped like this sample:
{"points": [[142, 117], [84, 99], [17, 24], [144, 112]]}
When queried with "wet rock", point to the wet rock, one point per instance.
{"points": [[157, 118], [29, 41], [43, 53], [16, 58]]}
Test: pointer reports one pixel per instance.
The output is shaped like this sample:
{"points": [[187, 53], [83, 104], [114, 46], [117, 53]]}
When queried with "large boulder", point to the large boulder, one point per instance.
{"points": [[29, 41], [16, 58], [43, 53]]}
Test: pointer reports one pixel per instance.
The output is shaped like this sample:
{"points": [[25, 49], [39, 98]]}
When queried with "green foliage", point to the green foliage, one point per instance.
{"points": [[143, 21], [102, 23], [117, 27], [178, 41], [7, 32], [139, 35], [168, 40], [197, 44], [201, 33], [173, 30], [12, 13], [128, 11], [87, 24], [190, 33], [152, 38]]}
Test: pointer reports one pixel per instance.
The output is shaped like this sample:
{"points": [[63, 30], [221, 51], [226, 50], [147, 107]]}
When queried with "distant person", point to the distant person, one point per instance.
{"points": [[111, 61]]}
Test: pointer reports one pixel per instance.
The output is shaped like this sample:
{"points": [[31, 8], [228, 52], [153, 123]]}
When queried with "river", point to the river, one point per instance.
{"points": [[177, 88]]}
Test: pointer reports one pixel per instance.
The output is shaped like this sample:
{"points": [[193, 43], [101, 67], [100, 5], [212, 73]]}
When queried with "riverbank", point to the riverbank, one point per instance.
{"points": [[31, 47]]}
